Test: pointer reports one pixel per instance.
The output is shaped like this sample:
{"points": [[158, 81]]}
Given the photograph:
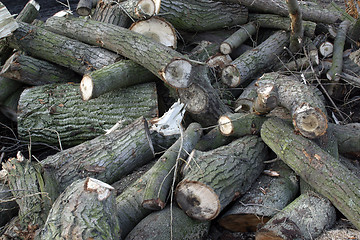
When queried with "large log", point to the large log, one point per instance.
{"points": [[53, 113], [106, 158], [170, 223], [43, 44], [164, 62], [215, 178], [203, 15], [85, 210], [318, 168]]}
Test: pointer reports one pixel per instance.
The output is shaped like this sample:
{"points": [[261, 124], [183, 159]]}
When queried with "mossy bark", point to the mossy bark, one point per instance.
{"points": [[53, 113]]}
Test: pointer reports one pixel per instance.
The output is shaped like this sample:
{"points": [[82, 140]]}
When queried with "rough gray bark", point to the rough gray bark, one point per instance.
{"points": [[297, 29], [109, 11], [348, 137], [212, 140]]}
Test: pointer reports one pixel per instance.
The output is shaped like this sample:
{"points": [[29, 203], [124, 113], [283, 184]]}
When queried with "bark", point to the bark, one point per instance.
{"points": [[158, 225], [109, 11], [267, 99], [202, 15], [315, 13], [7, 87], [8, 205], [240, 124], [267, 197], [213, 179], [245, 101], [212, 140], [318, 168], [29, 13], [306, 108], [282, 23], [297, 30], [139, 9], [43, 44], [167, 64], [85, 210], [165, 169], [121, 74], [305, 218], [238, 38], [348, 137], [106, 158], [56, 113], [84, 7], [257, 60], [32, 71]]}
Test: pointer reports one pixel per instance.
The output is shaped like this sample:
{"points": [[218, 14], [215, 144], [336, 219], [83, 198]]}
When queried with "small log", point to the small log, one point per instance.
{"points": [[34, 72], [85, 210], [29, 13], [109, 11], [297, 29], [8, 205], [203, 15], [56, 113], [282, 23], [245, 102], [238, 38], [121, 74], [170, 223], [165, 169], [43, 44], [106, 158], [306, 108], [254, 61], [158, 29], [215, 178], [318, 168], [267, 99], [212, 140], [305, 218], [267, 196], [7, 87], [84, 7], [240, 124], [167, 64]]}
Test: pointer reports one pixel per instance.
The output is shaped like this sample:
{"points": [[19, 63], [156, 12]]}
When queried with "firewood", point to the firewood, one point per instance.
{"points": [[305, 218], [158, 29], [245, 102], [267, 196], [32, 71], [8, 204], [56, 113], [106, 158], [109, 11], [158, 225], [140, 9], [203, 15], [215, 178], [43, 44], [348, 137], [267, 98], [121, 74], [318, 168], [297, 29], [29, 13], [212, 140], [238, 38], [256, 60], [85, 210], [306, 108], [84, 7], [7, 87], [240, 124], [170, 66]]}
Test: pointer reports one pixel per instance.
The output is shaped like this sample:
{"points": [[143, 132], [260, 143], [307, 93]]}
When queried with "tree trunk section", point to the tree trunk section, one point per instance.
{"points": [[52, 112], [85, 210], [212, 140], [217, 177], [318, 168], [106, 158], [84, 7]]}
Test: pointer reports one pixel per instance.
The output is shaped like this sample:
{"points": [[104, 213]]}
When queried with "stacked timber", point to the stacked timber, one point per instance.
{"points": [[149, 119]]}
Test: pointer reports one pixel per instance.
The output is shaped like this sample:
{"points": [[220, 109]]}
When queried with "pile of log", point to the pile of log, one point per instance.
{"points": [[250, 138]]}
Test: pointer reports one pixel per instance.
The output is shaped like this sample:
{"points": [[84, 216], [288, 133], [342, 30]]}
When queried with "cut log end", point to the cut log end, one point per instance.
{"points": [[177, 73], [195, 98], [145, 9], [243, 222], [102, 189], [310, 122], [225, 126], [83, 11], [326, 49], [225, 48], [230, 75], [153, 204], [197, 200], [86, 87]]}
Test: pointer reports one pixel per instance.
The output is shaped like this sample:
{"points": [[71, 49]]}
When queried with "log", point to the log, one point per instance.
{"points": [[348, 137], [29, 13], [244, 103], [140, 9], [167, 64], [56, 113], [267, 197], [215, 178], [43, 44], [121, 74], [170, 223], [8, 205], [106, 158], [165, 169], [85, 210], [32, 71], [109, 11], [212, 140], [318, 168], [267, 99], [84, 7], [306, 107], [7, 87], [254, 61], [297, 29], [305, 218], [203, 15]]}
